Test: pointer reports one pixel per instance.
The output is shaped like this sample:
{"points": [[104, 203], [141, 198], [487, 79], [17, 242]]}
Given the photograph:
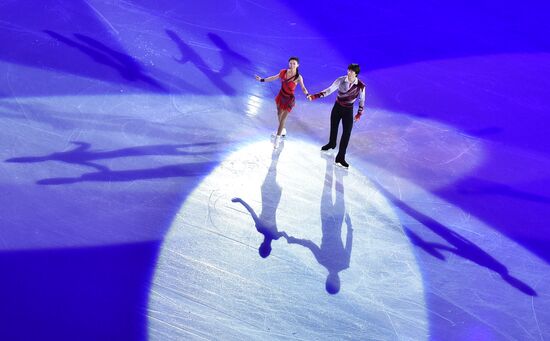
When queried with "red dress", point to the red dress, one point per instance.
{"points": [[285, 98]]}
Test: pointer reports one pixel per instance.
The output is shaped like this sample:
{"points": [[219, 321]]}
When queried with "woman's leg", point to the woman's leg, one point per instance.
{"points": [[282, 119], [279, 112]]}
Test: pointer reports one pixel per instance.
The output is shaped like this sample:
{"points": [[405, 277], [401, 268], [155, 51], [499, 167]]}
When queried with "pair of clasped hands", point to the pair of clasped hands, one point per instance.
{"points": [[308, 96], [312, 97]]}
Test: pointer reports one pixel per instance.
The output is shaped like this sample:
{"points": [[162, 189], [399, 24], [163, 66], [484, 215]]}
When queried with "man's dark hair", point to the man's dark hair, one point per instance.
{"points": [[355, 68]]}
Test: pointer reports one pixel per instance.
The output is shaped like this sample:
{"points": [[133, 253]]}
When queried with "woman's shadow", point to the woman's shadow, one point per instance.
{"points": [[271, 191], [188, 55], [232, 60], [332, 253], [83, 154], [128, 67]]}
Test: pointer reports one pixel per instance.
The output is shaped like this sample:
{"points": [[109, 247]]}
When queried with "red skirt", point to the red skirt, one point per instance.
{"points": [[285, 102]]}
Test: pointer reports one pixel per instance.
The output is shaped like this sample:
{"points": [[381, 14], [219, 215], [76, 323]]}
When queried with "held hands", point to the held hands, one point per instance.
{"points": [[312, 97]]}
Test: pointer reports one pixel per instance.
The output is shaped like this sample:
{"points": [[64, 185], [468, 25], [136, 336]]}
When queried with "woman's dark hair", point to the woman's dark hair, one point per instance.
{"points": [[355, 68], [297, 75]]}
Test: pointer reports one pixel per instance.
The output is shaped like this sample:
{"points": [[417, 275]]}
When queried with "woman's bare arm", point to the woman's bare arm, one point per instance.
{"points": [[302, 85], [267, 79]]}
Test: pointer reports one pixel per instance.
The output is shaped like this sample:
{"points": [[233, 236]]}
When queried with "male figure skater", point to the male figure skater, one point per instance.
{"points": [[349, 89]]}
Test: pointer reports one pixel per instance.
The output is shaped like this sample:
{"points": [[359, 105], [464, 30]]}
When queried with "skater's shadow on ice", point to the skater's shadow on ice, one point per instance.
{"points": [[127, 66], [457, 244], [189, 55], [266, 222], [83, 155], [170, 171], [332, 253], [231, 59]]}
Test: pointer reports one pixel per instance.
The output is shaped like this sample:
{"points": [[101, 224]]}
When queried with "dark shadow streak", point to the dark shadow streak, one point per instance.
{"points": [[128, 67], [266, 223], [458, 244], [106, 175], [82, 154], [332, 254], [189, 55], [231, 59], [487, 131]]}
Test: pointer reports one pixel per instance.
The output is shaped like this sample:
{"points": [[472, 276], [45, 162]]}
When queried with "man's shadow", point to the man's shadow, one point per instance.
{"points": [[83, 155], [189, 55], [128, 67], [332, 253], [271, 191], [457, 244], [231, 59], [182, 170]]}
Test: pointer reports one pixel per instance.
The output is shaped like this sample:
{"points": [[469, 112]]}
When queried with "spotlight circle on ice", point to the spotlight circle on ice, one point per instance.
{"points": [[285, 243]]}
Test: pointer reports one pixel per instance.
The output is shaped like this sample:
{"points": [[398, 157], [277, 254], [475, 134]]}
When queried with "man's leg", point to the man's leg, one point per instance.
{"points": [[347, 125], [335, 117]]}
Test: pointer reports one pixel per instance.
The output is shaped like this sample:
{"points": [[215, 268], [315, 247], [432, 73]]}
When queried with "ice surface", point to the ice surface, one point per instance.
{"points": [[141, 196]]}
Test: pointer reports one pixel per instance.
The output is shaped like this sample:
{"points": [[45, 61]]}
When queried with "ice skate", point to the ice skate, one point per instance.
{"points": [[283, 133], [341, 163], [277, 141], [327, 147]]}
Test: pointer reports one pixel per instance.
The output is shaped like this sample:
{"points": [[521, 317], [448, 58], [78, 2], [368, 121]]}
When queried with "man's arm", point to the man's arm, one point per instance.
{"points": [[361, 104], [327, 91]]}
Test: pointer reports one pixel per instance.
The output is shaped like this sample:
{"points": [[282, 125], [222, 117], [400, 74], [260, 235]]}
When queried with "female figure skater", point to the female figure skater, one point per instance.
{"points": [[349, 89], [285, 99]]}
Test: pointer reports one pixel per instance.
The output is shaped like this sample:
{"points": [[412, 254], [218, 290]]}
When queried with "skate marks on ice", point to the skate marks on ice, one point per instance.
{"points": [[290, 206], [474, 276], [453, 243], [266, 222], [331, 253], [83, 155]]}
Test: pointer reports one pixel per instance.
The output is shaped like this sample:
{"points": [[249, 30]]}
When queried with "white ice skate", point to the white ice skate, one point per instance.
{"points": [[277, 141], [283, 133]]}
